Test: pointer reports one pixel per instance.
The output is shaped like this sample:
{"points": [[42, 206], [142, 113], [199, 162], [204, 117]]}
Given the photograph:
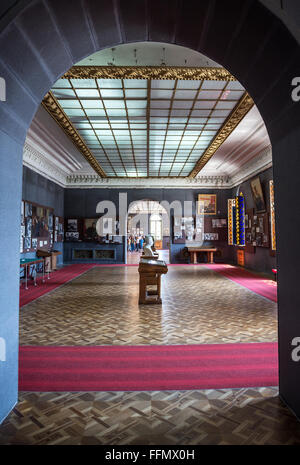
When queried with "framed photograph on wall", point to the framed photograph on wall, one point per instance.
{"points": [[28, 209], [27, 243], [258, 197], [89, 231], [72, 225], [207, 204], [72, 236], [50, 221]]}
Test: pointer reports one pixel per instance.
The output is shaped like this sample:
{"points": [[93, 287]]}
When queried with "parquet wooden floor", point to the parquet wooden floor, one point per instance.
{"points": [[101, 307], [238, 416]]}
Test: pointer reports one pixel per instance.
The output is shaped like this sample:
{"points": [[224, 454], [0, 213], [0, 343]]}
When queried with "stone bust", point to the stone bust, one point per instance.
{"points": [[148, 246]]}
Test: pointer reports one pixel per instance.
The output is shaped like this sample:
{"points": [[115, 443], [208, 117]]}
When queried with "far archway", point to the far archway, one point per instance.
{"points": [[147, 217]]}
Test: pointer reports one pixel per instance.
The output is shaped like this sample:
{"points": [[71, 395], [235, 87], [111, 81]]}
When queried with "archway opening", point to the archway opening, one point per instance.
{"points": [[279, 113], [183, 139], [147, 217]]}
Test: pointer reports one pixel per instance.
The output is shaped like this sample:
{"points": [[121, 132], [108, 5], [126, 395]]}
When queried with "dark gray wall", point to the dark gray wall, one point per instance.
{"points": [[38, 189], [261, 260], [83, 202]]}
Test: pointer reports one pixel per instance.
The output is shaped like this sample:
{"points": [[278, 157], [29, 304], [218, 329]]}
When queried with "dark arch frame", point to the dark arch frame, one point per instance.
{"points": [[42, 39]]}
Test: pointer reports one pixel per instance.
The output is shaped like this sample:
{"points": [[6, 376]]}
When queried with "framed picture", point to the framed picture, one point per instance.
{"points": [[50, 222], [28, 209], [27, 243], [211, 236], [207, 204], [72, 225], [90, 232], [28, 226], [72, 236], [219, 223], [258, 197]]}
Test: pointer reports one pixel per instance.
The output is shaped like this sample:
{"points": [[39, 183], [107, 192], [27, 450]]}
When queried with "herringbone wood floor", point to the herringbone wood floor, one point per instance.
{"points": [[239, 416], [101, 307]]}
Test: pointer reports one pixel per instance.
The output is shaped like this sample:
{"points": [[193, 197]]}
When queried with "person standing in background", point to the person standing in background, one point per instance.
{"points": [[141, 243], [132, 244]]}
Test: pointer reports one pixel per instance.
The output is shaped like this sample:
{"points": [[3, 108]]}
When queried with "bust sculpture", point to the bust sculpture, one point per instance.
{"points": [[148, 246]]}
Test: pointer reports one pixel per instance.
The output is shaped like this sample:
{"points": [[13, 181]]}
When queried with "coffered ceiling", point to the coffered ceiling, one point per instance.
{"points": [[148, 122], [152, 112]]}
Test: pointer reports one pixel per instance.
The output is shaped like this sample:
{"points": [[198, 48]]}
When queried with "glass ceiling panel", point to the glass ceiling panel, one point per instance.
{"points": [[70, 103], [87, 93], [162, 84], [109, 83], [134, 130], [92, 103], [112, 93], [62, 93], [135, 83]]}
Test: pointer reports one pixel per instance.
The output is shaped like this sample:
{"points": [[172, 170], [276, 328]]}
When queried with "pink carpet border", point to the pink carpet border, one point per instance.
{"points": [[257, 284], [147, 368], [57, 279]]}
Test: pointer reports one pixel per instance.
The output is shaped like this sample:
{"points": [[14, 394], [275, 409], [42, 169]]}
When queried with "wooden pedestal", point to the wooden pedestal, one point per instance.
{"points": [[150, 272]]}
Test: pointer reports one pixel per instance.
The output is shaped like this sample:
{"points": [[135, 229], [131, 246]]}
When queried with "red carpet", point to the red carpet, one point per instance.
{"points": [[148, 368], [57, 278], [262, 286]]}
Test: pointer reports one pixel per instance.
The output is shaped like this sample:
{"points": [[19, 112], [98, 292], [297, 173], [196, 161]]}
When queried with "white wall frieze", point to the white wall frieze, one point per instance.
{"points": [[92, 181], [37, 162], [49, 144]]}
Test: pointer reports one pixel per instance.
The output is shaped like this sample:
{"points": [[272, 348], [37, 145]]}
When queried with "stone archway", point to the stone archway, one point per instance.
{"points": [[40, 40]]}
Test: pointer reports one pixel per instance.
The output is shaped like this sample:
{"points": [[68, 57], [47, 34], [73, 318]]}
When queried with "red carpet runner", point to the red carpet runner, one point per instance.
{"points": [[262, 286], [148, 368], [56, 279]]}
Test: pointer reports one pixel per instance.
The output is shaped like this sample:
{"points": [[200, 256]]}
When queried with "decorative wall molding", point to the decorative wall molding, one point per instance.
{"points": [[54, 109], [39, 137], [148, 72], [260, 163], [36, 161], [238, 113], [94, 181], [40, 164]]}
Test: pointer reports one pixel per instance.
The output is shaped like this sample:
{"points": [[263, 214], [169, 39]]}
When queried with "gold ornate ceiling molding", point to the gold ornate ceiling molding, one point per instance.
{"points": [[238, 113], [54, 109], [148, 72]]}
